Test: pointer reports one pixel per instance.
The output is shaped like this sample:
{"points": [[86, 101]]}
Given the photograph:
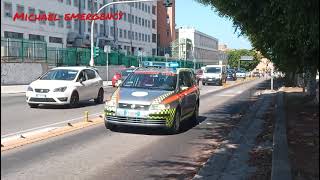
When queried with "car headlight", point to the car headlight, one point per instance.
{"points": [[159, 106], [61, 89], [29, 88]]}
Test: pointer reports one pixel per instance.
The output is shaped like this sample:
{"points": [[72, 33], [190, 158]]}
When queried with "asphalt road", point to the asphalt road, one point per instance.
{"points": [[131, 153], [17, 116]]}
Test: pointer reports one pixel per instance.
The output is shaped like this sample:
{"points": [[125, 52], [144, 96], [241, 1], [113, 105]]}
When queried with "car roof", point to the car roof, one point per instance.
{"points": [[79, 68]]}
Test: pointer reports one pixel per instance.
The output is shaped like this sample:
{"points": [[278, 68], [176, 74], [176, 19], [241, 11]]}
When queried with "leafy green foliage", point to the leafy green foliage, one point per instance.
{"points": [[284, 31], [235, 55]]}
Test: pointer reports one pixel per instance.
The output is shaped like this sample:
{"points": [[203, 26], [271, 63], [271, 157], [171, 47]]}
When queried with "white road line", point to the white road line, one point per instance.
{"points": [[46, 126]]}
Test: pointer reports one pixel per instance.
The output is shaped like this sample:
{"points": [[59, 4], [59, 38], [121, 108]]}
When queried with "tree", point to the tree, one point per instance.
{"points": [[235, 55], [284, 31]]}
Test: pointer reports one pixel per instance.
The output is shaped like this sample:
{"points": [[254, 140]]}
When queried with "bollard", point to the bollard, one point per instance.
{"points": [[86, 116]]}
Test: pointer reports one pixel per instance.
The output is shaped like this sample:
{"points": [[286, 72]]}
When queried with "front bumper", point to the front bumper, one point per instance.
{"points": [[51, 98], [163, 118], [211, 80]]}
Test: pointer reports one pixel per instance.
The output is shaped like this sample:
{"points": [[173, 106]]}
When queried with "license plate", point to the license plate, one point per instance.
{"points": [[129, 113], [41, 96], [210, 79]]}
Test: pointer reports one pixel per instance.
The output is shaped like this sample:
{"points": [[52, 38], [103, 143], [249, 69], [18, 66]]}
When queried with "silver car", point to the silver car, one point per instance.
{"points": [[154, 97]]}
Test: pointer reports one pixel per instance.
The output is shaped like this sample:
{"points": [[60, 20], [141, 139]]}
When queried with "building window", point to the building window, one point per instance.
{"points": [[154, 38], [136, 5], [124, 16], [35, 37], [142, 37], [139, 5], [136, 36], [139, 21], [60, 1], [142, 22], [32, 11], [125, 34], [129, 34], [55, 40], [69, 25], [42, 12], [68, 2], [76, 3], [83, 4], [154, 10], [142, 7], [15, 35], [149, 9], [154, 52], [120, 33], [7, 9], [95, 27], [136, 20], [112, 31], [153, 24], [149, 24], [52, 23], [20, 8], [101, 30], [148, 38], [76, 25], [60, 22]]}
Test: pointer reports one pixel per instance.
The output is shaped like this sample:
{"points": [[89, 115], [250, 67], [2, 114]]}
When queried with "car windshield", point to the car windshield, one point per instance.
{"points": [[213, 70], [60, 74], [151, 80]]}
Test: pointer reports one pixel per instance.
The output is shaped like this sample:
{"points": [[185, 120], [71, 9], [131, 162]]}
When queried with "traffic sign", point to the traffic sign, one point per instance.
{"points": [[246, 58], [107, 49]]}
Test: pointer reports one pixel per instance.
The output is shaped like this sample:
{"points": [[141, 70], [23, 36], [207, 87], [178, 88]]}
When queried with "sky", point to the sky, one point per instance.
{"points": [[204, 19]]}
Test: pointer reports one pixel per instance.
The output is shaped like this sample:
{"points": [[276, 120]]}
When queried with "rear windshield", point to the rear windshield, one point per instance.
{"points": [[213, 69]]}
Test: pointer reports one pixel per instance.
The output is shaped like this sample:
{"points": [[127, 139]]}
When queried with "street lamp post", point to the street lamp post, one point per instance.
{"points": [[104, 6]]}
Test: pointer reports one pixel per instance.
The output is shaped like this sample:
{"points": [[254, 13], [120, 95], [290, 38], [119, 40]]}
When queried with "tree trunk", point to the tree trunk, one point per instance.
{"points": [[310, 78]]}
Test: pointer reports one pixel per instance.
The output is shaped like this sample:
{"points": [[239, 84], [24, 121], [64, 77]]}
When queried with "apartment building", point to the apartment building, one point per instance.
{"points": [[204, 47], [137, 30], [166, 27]]}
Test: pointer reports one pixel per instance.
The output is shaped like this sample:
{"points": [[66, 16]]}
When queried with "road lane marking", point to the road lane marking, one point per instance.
{"points": [[46, 126]]}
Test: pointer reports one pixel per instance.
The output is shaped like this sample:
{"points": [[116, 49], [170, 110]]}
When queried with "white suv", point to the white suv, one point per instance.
{"points": [[66, 85]]}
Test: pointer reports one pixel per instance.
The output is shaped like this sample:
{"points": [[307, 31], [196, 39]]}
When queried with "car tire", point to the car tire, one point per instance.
{"points": [[203, 83], [33, 105], [74, 100], [195, 116], [175, 129], [111, 127], [100, 97]]}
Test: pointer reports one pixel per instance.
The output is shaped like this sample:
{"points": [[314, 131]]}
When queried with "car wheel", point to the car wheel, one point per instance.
{"points": [[100, 97], [33, 105], [203, 83], [176, 123], [195, 116], [109, 126], [74, 100]]}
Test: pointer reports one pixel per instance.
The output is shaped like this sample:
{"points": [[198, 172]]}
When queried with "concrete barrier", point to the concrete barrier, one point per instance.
{"points": [[21, 73], [25, 73]]}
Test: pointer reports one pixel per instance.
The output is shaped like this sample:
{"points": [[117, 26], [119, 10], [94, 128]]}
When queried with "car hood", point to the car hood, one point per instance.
{"points": [[141, 96], [49, 84], [212, 75]]}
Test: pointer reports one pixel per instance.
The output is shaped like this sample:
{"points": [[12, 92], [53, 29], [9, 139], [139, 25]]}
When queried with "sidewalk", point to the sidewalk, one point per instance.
{"points": [[230, 160], [16, 89]]}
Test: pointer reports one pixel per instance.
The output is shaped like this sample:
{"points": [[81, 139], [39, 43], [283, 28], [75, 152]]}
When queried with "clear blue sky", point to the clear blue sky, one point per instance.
{"points": [[206, 20]]}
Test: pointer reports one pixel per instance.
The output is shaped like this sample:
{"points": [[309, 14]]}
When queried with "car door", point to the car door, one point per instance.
{"points": [[182, 94], [82, 87], [92, 83], [191, 95]]}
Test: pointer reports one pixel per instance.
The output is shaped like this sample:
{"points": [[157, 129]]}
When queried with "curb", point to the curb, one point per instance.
{"points": [[49, 134], [281, 169]]}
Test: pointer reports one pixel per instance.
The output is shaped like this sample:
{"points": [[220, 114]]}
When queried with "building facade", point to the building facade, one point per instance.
{"points": [[166, 27], [137, 30], [204, 47]]}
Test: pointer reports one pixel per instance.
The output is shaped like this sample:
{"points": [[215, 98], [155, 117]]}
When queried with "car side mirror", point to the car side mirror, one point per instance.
{"points": [[81, 80], [182, 88]]}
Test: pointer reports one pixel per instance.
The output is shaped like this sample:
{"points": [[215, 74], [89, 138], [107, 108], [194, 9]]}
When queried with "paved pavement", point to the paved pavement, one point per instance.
{"points": [[131, 153]]}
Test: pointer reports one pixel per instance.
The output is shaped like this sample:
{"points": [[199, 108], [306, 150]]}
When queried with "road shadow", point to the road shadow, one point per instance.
{"points": [[185, 126], [215, 128]]}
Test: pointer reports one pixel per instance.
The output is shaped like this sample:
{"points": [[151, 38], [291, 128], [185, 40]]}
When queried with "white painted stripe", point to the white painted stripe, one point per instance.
{"points": [[46, 126], [227, 95]]}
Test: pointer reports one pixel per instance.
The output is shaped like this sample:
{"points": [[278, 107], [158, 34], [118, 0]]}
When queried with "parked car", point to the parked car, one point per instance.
{"points": [[120, 76], [214, 74], [241, 74], [256, 74], [154, 97], [231, 75], [66, 86]]}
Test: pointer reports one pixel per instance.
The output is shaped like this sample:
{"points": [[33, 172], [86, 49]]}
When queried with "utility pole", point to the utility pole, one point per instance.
{"points": [[166, 2]]}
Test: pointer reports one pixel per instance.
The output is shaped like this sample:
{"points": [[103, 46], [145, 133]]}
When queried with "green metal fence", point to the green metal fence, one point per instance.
{"points": [[20, 50]]}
